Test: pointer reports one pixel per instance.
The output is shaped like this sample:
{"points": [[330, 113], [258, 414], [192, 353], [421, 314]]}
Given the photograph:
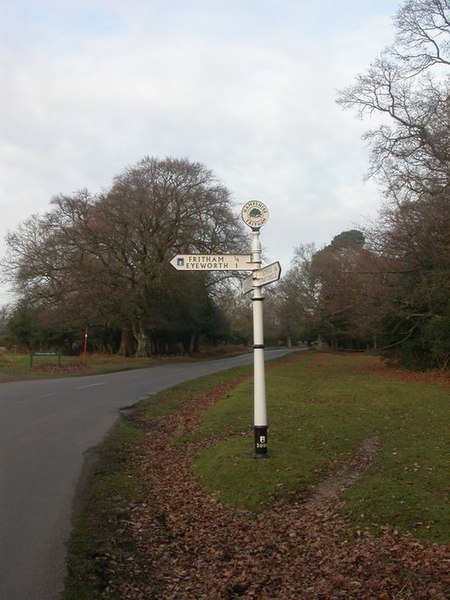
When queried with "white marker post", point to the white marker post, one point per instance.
{"points": [[255, 215]]}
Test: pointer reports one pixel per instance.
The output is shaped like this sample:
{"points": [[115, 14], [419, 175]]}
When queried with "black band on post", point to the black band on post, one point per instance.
{"points": [[261, 450]]}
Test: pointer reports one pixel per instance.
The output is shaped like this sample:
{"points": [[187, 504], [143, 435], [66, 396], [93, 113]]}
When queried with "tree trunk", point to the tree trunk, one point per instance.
{"points": [[186, 341], [125, 341], [142, 340], [375, 344], [196, 343]]}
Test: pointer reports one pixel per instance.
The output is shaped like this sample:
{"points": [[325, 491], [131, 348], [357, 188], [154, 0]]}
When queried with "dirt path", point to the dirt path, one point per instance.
{"points": [[349, 473]]}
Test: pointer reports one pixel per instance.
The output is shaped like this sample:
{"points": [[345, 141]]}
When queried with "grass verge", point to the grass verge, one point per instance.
{"points": [[15, 365], [112, 488], [321, 407]]}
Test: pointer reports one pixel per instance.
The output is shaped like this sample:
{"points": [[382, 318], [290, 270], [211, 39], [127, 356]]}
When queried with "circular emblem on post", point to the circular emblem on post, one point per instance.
{"points": [[255, 214]]}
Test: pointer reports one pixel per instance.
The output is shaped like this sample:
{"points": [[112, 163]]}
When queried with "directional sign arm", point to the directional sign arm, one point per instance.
{"points": [[213, 262], [262, 277], [268, 274]]}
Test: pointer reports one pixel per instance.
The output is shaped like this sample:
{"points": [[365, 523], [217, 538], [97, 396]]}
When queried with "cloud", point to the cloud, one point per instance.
{"points": [[247, 87]]}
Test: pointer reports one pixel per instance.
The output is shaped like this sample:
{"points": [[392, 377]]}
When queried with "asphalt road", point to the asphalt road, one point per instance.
{"points": [[46, 430]]}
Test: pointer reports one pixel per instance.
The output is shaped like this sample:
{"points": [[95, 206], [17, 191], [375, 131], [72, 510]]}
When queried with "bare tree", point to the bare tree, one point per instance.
{"points": [[412, 240], [408, 85], [298, 297], [106, 257]]}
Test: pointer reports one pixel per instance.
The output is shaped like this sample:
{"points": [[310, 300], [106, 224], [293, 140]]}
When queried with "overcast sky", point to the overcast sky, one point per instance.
{"points": [[247, 87]]}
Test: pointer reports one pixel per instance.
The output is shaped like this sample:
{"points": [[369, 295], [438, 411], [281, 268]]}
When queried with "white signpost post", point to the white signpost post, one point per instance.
{"points": [[255, 215]]}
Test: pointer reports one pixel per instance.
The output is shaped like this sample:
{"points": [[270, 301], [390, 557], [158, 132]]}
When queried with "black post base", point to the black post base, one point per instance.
{"points": [[261, 450]]}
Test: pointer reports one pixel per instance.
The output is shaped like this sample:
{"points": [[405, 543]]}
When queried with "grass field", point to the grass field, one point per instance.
{"points": [[321, 407], [15, 366]]}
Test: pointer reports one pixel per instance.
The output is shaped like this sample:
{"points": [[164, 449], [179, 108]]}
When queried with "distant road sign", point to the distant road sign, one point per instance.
{"points": [[261, 277], [213, 262]]}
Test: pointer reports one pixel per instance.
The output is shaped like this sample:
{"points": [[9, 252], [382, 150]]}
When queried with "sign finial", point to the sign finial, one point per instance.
{"points": [[255, 214]]}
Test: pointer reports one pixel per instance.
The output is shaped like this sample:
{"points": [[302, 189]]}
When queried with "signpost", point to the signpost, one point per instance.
{"points": [[57, 354], [85, 336], [255, 215]]}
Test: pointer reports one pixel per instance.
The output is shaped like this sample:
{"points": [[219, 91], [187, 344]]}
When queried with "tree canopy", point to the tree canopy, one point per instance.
{"points": [[409, 86], [387, 284], [104, 259]]}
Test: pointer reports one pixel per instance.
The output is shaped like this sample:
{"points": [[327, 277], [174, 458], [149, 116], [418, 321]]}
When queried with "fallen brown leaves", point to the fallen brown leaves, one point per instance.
{"points": [[182, 543], [56, 369], [383, 368]]}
